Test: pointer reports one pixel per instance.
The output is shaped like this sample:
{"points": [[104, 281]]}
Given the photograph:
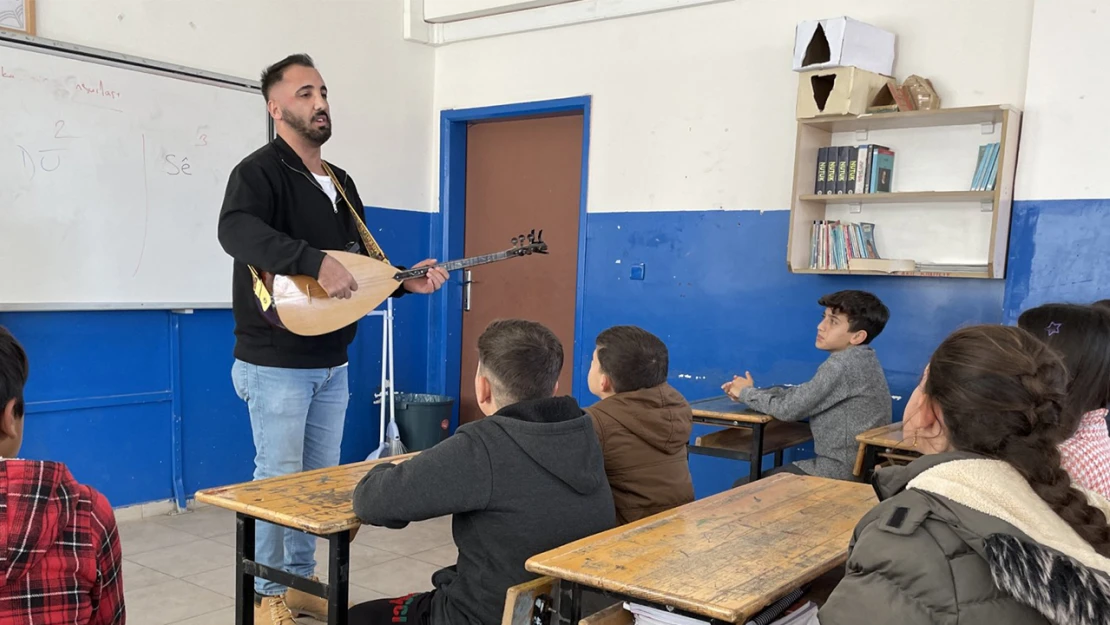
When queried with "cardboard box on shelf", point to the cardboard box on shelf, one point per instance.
{"points": [[837, 91], [843, 42]]}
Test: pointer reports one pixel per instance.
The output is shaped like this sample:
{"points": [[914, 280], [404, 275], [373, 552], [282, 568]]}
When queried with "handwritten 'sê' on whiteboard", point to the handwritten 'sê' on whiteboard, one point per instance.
{"points": [[112, 174]]}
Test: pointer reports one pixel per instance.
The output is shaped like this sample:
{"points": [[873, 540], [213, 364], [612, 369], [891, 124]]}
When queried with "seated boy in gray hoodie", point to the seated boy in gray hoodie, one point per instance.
{"points": [[527, 479], [848, 395]]}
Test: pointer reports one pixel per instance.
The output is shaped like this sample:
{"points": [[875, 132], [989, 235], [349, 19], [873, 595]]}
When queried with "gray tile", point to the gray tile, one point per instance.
{"points": [[225, 539], [362, 557], [446, 555], [142, 536], [136, 576], [188, 559], [396, 578], [171, 602], [225, 616], [221, 580], [206, 522]]}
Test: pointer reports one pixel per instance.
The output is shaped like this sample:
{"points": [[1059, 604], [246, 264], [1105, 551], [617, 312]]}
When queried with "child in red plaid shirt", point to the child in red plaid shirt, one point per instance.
{"points": [[1081, 335], [60, 560]]}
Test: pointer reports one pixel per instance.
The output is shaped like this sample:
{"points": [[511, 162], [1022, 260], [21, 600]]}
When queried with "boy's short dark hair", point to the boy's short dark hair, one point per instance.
{"points": [[14, 370], [632, 357], [1103, 304], [864, 311], [272, 75], [522, 359]]}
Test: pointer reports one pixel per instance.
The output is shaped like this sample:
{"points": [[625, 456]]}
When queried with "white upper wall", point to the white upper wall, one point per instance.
{"points": [[380, 86], [694, 109], [1063, 152]]}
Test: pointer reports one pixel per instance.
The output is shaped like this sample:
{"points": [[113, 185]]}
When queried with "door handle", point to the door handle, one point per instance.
{"points": [[467, 281]]}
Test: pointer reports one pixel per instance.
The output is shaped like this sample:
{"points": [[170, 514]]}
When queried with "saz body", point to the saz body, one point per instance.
{"points": [[299, 304]]}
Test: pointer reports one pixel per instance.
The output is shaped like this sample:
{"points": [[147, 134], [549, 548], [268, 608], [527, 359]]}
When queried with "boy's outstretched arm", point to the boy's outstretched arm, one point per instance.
{"points": [[795, 403], [452, 477]]}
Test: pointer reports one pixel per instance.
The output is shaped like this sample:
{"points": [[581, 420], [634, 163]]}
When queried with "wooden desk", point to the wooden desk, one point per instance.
{"points": [[885, 440], [317, 502], [748, 435], [723, 558]]}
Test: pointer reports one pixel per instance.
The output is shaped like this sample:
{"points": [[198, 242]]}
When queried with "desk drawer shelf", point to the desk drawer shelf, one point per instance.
{"points": [[736, 443]]}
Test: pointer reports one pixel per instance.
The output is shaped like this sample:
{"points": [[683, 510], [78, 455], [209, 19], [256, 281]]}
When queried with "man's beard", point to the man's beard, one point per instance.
{"points": [[307, 128]]}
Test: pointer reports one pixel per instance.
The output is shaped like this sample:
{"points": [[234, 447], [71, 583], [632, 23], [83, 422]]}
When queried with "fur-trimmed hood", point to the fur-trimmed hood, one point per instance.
{"points": [[1033, 554], [959, 538]]}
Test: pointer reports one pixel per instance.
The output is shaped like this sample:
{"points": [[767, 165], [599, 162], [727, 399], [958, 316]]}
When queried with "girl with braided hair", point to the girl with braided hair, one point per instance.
{"points": [[985, 527], [1081, 336]]}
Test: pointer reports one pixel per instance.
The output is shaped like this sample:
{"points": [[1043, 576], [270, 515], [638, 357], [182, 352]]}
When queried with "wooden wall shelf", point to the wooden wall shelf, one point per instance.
{"points": [[806, 207]]}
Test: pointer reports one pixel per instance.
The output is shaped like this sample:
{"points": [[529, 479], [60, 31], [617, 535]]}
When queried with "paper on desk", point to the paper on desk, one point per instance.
{"points": [[650, 616]]}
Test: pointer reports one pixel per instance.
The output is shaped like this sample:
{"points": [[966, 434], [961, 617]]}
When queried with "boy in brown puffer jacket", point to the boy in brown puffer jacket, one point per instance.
{"points": [[643, 424]]}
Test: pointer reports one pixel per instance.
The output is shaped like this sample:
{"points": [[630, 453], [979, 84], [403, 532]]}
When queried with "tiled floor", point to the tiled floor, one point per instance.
{"points": [[180, 569]]}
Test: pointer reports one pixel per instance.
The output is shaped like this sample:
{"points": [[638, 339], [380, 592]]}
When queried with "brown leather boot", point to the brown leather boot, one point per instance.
{"points": [[304, 604], [273, 611]]}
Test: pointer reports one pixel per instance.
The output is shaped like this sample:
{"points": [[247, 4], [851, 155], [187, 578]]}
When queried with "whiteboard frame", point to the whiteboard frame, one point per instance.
{"points": [[104, 57]]}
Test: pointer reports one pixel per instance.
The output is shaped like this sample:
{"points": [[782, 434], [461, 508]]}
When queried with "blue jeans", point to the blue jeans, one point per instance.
{"points": [[297, 418]]}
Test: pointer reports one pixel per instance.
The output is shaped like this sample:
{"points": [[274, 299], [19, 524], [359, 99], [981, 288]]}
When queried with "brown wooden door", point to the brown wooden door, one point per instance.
{"points": [[522, 174]]}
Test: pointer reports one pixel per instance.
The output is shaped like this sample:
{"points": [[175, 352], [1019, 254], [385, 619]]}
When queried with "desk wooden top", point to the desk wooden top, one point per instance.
{"points": [[318, 502], [726, 556], [724, 408], [884, 436]]}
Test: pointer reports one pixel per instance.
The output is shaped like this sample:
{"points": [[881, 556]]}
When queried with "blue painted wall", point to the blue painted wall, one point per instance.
{"points": [[718, 292], [1058, 253], [716, 289], [100, 391]]}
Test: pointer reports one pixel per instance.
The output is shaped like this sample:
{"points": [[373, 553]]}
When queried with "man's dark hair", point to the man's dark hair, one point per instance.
{"points": [[13, 371], [632, 357], [272, 75], [864, 311], [1103, 304], [522, 359]]}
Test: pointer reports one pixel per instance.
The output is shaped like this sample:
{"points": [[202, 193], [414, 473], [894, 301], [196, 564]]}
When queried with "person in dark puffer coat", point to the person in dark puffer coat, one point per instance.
{"points": [[986, 527]]}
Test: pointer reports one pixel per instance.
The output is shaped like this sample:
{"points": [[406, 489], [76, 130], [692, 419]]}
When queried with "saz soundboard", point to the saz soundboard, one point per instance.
{"points": [[299, 304]]}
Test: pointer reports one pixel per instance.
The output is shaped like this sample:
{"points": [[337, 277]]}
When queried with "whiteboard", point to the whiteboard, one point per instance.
{"points": [[112, 174]]}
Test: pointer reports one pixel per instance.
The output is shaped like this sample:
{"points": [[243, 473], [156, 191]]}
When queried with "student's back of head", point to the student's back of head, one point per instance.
{"points": [[518, 360], [1081, 336], [45, 509], [14, 370], [627, 358], [1001, 393]]}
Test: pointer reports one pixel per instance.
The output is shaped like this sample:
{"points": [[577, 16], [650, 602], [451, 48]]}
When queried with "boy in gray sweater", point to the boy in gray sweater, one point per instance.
{"points": [[848, 395]]}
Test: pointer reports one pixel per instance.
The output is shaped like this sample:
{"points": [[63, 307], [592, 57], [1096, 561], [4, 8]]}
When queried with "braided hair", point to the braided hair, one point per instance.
{"points": [[1002, 394]]}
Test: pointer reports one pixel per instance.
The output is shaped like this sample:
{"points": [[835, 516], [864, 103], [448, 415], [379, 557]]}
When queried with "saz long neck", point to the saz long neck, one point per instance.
{"points": [[420, 272]]}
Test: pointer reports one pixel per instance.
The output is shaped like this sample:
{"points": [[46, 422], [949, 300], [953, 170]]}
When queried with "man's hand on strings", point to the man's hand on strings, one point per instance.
{"points": [[431, 282]]}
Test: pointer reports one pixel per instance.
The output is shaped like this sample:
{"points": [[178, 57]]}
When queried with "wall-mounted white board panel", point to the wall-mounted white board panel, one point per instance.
{"points": [[112, 173]]}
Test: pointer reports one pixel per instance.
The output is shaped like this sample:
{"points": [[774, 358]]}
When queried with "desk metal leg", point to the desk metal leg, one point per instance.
{"points": [[756, 461], [570, 603], [870, 458], [339, 565], [244, 551]]}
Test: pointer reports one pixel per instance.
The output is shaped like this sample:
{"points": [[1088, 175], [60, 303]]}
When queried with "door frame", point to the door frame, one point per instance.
{"points": [[446, 316]]}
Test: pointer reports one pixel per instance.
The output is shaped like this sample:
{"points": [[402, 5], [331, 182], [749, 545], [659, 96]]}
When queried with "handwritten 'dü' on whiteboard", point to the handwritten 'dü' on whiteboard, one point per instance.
{"points": [[111, 181]]}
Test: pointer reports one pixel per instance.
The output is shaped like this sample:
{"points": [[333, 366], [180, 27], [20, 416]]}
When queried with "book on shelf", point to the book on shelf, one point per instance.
{"points": [[986, 169], [850, 169], [833, 244]]}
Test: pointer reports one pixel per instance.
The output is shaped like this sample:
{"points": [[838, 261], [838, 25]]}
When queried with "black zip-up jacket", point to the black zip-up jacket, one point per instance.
{"points": [[279, 219]]}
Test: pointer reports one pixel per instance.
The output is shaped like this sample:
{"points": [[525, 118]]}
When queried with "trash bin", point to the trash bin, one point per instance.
{"points": [[423, 419]]}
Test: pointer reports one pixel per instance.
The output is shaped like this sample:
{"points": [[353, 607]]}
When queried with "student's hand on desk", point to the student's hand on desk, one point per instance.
{"points": [[733, 388]]}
